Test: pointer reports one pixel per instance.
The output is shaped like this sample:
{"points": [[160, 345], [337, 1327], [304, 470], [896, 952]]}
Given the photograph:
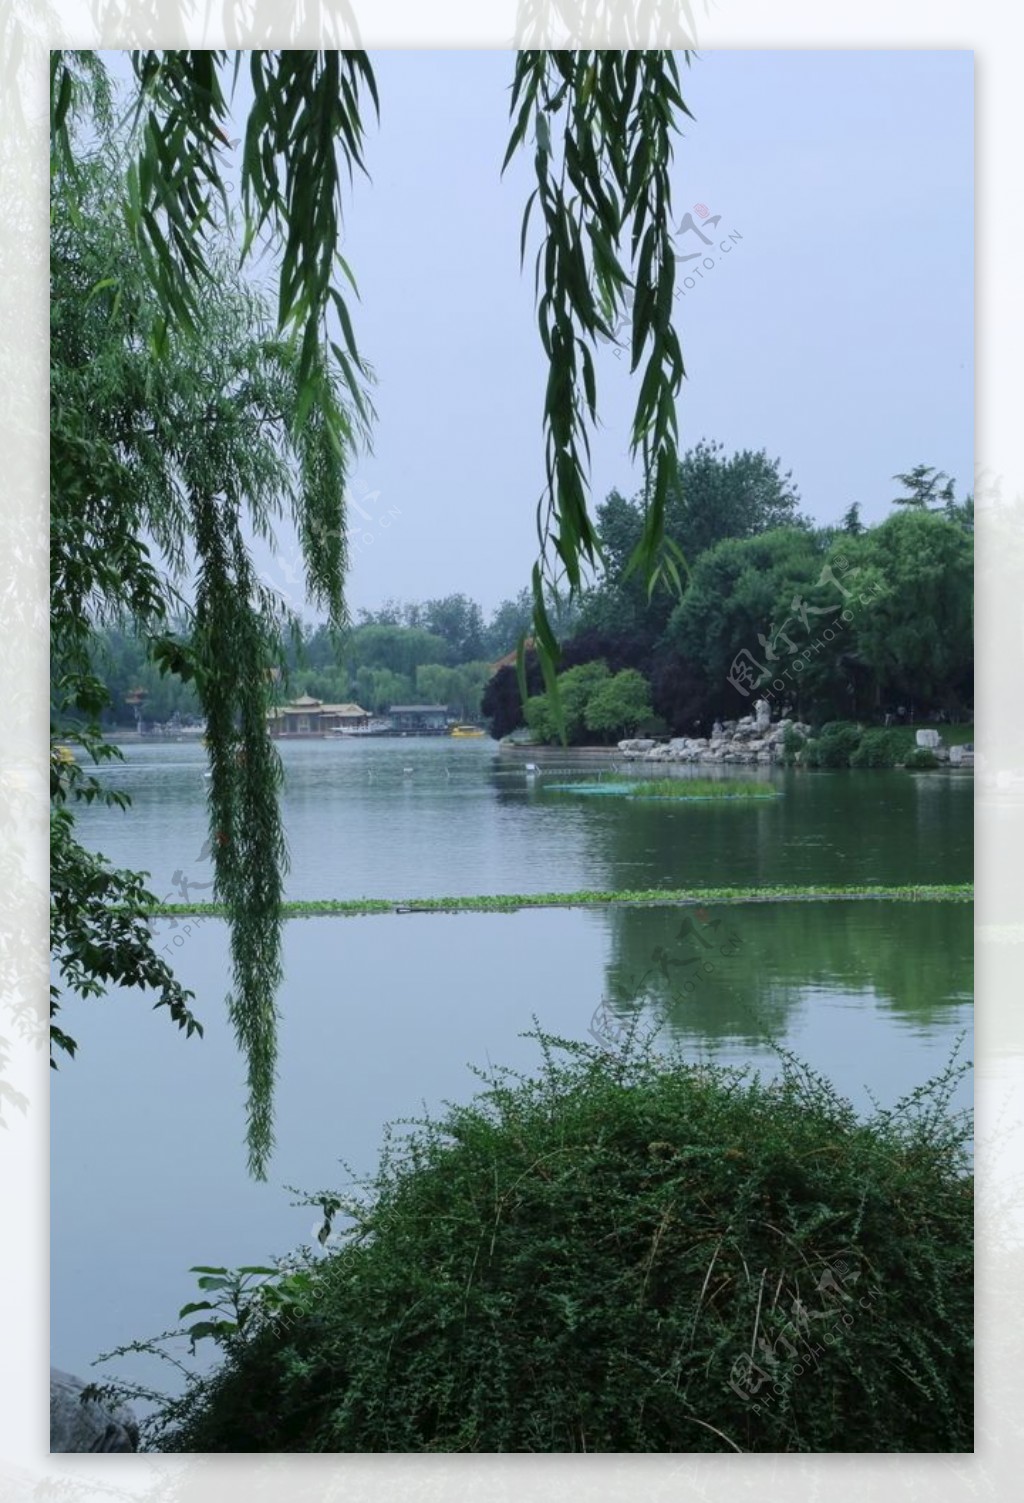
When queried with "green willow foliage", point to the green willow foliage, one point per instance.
{"points": [[605, 176], [158, 467], [199, 402], [602, 179]]}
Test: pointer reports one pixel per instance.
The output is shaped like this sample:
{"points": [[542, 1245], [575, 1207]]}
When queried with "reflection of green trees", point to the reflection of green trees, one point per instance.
{"points": [[835, 828], [915, 959]]}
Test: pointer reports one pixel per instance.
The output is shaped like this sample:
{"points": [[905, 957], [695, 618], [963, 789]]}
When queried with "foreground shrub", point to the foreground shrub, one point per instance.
{"points": [[627, 1253], [921, 759]]}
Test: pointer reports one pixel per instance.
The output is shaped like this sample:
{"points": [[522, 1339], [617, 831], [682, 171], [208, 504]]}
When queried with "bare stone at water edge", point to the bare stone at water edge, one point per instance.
{"points": [[78, 1426]]}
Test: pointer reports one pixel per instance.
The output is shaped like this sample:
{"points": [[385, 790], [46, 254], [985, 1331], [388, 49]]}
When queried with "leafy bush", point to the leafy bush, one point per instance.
{"points": [[838, 727], [792, 745], [617, 706], [626, 1253], [921, 759], [879, 749], [834, 746]]}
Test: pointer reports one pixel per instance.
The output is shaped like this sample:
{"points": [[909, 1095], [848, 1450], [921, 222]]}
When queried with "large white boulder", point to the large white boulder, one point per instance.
{"points": [[929, 738]]}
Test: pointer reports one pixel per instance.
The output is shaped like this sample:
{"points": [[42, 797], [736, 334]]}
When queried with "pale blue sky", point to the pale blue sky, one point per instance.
{"points": [[837, 333]]}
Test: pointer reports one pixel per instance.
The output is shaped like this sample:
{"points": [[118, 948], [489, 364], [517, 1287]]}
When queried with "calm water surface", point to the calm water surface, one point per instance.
{"points": [[381, 1016]]}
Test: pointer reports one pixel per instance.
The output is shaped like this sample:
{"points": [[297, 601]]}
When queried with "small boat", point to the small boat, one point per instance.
{"points": [[372, 728], [466, 732]]}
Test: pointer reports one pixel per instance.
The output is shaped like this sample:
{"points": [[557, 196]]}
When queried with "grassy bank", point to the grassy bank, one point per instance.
{"points": [[956, 892]]}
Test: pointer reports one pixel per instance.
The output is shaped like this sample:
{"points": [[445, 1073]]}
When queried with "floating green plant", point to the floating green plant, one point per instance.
{"points": [[654, 897]]}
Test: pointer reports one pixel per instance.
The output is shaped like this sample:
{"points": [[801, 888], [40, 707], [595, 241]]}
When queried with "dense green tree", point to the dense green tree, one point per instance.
{"points": [[391, 613], [377, 689], [710, 497], [458, 621], [714, 497], [923, 487], [436, 684], [401, 648], [917, 638], [739, 601], [509, 622], [577, 687], [619, 706], [460, 688]]}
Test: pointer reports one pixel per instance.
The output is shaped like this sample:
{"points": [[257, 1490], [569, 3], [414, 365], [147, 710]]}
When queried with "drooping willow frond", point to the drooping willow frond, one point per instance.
{"points": [[601, 124]]}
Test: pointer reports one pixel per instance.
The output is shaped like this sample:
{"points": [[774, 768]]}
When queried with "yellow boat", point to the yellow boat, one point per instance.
{"points": [[465, 732]]}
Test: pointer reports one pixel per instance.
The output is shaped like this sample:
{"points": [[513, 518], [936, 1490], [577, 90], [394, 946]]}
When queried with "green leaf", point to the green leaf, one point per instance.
{"points": [[190, 1309]]}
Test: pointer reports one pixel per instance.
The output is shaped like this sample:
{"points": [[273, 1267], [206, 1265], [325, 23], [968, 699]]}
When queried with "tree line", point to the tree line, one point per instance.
{"points": [[826, 622], [853, 622], [439, 651]]}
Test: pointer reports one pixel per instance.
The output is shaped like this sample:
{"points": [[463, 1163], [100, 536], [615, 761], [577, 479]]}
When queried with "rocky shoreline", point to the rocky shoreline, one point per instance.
{"points": [[756, 739]]}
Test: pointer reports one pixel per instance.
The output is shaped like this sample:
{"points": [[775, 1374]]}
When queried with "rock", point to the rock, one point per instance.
{"points": [[636, 745], [931, 739], [78, 1426], [763, 712], [961, 756]]}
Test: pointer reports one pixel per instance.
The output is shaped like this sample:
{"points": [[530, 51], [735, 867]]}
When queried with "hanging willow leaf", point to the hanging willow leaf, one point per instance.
{"points": [[603, 125], [192, 450]]}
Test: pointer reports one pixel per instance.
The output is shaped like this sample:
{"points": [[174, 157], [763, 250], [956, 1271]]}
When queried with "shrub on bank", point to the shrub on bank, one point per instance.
{"points": [[921, 759], [792, 744], [628, 1253], [879, 749], [833, 746]]}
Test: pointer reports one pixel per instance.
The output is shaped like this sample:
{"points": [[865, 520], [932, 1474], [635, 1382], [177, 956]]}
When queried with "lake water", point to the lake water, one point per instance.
{"points": [[382, 1016]]}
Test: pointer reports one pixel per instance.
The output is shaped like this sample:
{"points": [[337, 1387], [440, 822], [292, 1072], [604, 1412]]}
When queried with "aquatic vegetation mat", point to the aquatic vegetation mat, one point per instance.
{"points": [[654, 897], [679, 790]]}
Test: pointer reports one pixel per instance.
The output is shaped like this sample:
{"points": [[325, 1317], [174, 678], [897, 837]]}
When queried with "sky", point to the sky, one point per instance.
{"points": [[836, 333]]}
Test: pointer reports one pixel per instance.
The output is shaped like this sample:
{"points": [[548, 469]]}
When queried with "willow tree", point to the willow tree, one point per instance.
{"points": [[599, 125], [161, 470]]}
